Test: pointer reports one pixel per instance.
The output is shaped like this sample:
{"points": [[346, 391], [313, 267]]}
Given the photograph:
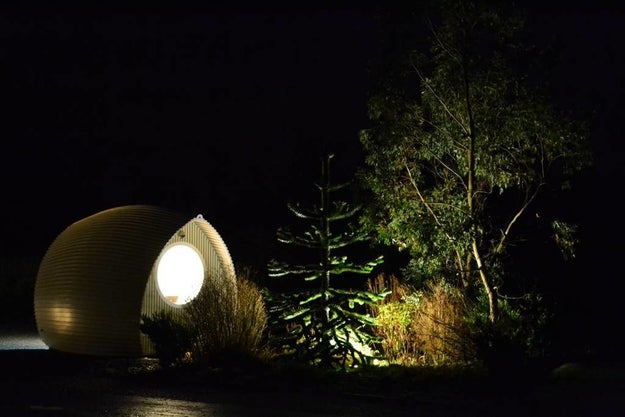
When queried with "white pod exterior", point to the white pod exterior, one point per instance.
{"points": [[102, 273]]}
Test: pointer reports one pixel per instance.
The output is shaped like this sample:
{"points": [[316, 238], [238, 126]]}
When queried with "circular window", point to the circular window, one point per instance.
{"points": [[180, 274]]}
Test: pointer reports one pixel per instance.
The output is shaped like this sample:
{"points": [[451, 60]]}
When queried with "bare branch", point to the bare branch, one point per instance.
{"points": [[440, 101], [528, 200]]}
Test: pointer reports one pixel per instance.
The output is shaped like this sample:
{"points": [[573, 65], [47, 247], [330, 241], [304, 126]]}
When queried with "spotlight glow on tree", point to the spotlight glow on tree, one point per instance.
{"points": [[327, 326], [461, 160]]}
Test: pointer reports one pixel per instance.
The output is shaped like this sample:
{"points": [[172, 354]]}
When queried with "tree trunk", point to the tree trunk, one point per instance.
{"points": [[493, 307], [325, 232]]}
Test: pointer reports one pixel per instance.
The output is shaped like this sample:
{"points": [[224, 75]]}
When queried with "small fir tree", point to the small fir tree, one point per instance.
{"points": [[325, 325]]}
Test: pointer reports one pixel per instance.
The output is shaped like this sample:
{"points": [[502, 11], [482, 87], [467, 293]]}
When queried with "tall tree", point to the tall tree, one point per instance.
{"points": [[328, 325], [460, 151]]}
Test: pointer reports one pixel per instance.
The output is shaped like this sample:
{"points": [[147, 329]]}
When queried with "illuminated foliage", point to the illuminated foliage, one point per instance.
{"points": [[324, 325], [461, 150]]}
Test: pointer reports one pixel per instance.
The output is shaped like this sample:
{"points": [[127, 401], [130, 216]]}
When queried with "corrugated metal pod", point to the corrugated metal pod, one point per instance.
{"points": [[102, 273]]}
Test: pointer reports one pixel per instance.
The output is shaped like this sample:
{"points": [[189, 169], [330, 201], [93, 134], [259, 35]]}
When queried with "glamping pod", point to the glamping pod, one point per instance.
{"points": [[102, 273]]}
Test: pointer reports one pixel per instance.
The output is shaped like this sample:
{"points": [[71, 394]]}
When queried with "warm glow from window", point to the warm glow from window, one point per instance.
{"points": [[180, 274]]}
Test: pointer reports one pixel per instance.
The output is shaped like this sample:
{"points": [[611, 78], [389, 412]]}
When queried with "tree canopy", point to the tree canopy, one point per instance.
{"points": [[463, 148]]}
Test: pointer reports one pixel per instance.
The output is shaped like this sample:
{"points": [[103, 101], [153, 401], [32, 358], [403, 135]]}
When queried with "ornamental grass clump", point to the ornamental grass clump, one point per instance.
{"points": [[441, 328], [422, 327], [225, 322], [229, 321], [395, 315]]}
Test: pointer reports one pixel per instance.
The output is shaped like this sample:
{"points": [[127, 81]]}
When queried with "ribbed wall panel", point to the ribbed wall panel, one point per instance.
{"points": [[98, 273], [217, 265]]}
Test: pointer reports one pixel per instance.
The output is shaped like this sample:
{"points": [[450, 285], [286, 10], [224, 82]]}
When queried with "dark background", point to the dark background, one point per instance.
{"points": [[218, 111], [225, 111]]}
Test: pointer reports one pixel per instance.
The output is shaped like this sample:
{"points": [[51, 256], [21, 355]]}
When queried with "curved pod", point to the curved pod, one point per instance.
{"points": [[101, 274]]}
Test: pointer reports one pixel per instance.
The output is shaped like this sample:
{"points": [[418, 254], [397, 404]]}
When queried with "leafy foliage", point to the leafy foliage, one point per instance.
{"points": [[424, 327], [457, 161], [517, 340], [326, 325], [171, 336]]}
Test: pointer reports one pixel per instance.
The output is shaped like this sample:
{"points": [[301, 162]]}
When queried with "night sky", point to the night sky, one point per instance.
{"points": [[225, 111], [220, 112]]}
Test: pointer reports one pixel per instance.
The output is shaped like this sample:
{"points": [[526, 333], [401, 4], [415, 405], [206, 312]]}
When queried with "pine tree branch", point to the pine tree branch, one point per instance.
{"points": [[303, 213]]}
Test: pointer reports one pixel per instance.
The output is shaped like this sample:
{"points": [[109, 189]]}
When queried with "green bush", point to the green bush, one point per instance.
{"points": [[516, 339], [171, 335], [423, 327]]}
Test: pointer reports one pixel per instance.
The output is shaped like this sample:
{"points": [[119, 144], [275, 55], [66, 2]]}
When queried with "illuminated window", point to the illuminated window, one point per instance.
{"points": [[180, 274]]}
